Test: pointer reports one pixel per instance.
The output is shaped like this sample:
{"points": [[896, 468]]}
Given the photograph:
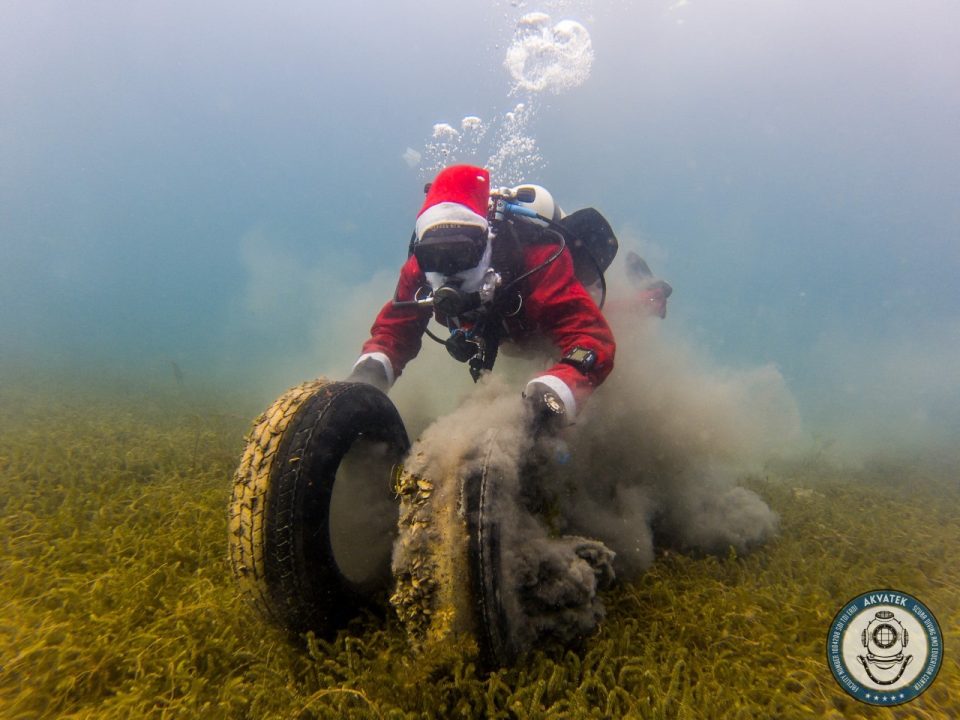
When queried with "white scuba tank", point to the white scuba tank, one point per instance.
{"points": [[543, 202]]}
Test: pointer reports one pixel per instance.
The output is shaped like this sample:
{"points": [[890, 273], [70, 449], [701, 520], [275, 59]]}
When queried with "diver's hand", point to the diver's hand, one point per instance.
{"points": [[370, 372], [545, 410]]}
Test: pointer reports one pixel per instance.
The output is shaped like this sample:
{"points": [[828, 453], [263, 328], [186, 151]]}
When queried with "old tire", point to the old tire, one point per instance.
{"points": [[283, 537], [529, 583], [449, 561], [484, 497]]}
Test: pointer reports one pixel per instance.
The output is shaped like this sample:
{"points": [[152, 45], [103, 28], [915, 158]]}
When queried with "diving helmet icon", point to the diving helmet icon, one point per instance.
{"points": [[884, 638]]}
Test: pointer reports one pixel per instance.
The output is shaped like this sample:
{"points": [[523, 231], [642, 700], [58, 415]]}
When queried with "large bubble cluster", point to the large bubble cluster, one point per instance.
{"points": [[548, 58], [543, 57], [511, 155]]}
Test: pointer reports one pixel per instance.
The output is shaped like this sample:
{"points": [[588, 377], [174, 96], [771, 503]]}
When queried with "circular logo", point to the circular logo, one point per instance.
{"points": [[884, 647]]}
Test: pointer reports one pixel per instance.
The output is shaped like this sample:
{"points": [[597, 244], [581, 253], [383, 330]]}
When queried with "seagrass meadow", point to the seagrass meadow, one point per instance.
{"points": [[117, 601]]}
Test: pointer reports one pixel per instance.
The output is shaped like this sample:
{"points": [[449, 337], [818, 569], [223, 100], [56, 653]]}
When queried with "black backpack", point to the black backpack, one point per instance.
{"points": [[592, 244]]}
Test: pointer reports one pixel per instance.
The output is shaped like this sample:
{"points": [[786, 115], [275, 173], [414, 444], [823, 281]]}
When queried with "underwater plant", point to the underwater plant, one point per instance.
{"points": [[117, 600]]}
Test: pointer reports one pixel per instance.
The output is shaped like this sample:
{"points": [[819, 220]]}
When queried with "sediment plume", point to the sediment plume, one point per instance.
{"points": [[652, 461]]}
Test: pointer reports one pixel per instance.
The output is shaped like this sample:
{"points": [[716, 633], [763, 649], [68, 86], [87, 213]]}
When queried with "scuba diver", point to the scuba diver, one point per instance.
{"points": [[497, 267]]}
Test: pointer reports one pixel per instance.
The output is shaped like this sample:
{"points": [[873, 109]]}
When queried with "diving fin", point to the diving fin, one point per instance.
{"points": [[642, 277], [637, 269]]}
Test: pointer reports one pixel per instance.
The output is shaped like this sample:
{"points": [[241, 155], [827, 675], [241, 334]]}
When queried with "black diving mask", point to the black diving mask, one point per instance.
{"points": [[450, 249]]}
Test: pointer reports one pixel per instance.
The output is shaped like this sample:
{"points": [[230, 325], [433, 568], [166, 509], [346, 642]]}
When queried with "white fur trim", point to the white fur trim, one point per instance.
{"points": [[448, 212], [383, 360], [562, 390]]}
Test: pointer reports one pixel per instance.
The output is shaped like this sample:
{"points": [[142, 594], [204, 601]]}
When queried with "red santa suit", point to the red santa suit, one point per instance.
{"points": [[555, 305]]}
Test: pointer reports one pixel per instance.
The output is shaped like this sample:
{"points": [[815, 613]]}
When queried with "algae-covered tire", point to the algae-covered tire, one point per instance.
{"points": [[528, 583], [290, 548], [449, 565], [483, 503]]}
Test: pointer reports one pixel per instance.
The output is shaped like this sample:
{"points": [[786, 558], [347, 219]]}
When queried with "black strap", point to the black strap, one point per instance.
{"points": [[487, 330]]}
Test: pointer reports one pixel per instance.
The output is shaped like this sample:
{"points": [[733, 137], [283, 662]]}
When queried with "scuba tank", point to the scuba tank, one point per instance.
{"points": [[587, 234]]}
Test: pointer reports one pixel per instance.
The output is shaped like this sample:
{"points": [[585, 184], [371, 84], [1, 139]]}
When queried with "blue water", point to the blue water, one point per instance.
{"points": [[208, 183]]}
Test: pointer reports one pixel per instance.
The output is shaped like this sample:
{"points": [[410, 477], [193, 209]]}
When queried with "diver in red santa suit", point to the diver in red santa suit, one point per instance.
{"points": [[494, 270]]}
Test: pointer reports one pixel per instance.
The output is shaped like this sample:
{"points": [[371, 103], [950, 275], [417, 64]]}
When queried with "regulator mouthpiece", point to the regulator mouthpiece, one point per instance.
{"points": [[449, 301]]}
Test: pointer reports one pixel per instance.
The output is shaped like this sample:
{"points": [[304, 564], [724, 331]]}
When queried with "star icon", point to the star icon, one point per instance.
{"points": [[867, 696], [901, 696]]}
